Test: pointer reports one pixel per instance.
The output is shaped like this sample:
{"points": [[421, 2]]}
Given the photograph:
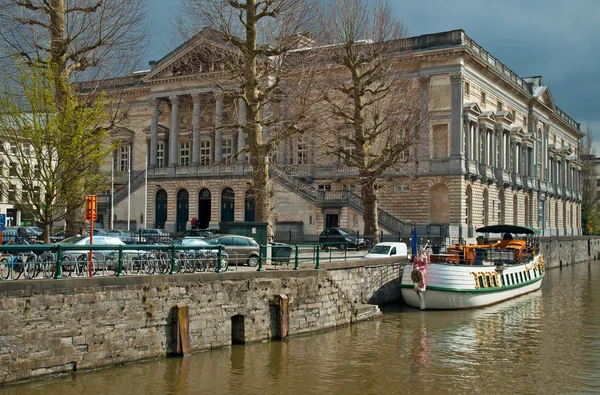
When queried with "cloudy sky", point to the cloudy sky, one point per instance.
{"points": [[557, 39]]}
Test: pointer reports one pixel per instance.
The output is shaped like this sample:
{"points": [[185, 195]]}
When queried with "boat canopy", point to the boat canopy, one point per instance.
{"points": [[508, 229]]}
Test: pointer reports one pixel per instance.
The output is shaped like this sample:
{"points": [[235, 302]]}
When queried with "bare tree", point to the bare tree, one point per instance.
{"points": [[79, 39], [590, 218], [41, 168], [268, 38], [374, 107]]}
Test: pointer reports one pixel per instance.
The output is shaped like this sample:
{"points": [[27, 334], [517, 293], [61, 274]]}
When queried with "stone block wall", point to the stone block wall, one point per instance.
{"points": [[559, 251], [63, 325]]}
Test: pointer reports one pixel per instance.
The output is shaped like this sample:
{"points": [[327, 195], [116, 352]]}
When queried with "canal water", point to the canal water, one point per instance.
{"points": [[547, 342]]}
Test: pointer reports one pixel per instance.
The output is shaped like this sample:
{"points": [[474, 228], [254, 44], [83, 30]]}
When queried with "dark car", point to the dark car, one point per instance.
{"points": [[154, 236], [240, 249], [340, 238], [197, 233]]}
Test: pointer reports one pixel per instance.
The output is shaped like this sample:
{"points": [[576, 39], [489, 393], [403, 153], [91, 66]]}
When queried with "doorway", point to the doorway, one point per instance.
{"points": [[204, 209], [182, 210], [332, 220], [160, 209], [227, 205]]}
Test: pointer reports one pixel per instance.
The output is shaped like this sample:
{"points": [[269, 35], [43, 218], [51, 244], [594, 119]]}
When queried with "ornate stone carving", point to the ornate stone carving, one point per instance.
{"points": [[457, 78]]}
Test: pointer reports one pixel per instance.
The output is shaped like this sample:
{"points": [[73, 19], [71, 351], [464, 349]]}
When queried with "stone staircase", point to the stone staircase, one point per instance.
{"points": [[334, 198], [137, 181]]}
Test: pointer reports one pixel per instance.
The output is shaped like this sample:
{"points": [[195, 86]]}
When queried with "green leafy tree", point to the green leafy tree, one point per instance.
{"points": [[49, 150]]}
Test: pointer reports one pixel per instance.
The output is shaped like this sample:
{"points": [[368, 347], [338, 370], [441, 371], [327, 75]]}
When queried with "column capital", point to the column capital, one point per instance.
{"points": [[174, 99], [547, 127], [457, 78], [196, 97], [154, 101], [219, 94]]}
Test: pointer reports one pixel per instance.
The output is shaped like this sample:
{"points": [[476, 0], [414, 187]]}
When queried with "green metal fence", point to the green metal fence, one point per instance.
{"points": [[58, 261]]}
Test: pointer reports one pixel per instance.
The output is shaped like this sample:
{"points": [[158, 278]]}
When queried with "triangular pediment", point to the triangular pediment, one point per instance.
{"points": [[487, 116], [505, 117], [122, 134], [204, 53], [162, 129], [472, 107]]}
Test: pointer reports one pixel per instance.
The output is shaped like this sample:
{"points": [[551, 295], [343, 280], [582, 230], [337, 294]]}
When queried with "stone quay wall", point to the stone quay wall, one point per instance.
{"points": [[59, 326], [559, 251]]}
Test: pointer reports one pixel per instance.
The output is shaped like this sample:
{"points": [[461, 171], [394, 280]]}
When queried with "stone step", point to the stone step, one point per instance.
{"points": [[363, 311]]}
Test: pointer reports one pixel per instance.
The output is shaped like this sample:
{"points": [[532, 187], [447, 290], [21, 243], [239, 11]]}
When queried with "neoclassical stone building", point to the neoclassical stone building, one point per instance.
{"points": [[497, 150]]}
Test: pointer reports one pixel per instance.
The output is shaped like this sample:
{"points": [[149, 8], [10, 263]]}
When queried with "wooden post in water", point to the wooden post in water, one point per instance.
{"points": [[182, 329], [282, 301]]}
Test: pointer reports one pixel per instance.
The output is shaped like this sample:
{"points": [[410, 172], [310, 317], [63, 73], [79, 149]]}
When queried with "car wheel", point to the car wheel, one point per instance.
{"points": [[253, 261]]}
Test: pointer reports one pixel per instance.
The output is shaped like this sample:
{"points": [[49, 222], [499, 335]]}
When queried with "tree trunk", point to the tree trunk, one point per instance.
{"points": [[369, 198]]}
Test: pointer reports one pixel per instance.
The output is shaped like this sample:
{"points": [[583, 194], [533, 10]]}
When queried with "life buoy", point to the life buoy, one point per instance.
{"points": [[416, 276]]}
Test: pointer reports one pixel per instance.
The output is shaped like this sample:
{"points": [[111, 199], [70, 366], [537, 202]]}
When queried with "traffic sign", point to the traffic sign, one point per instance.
{"points": [[3, 219]]}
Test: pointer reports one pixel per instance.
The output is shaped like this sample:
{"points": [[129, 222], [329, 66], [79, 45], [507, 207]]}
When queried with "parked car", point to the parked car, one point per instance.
{"points": [[124, 235], [9, 235], [34, 232], [197, 233], [388, 249], [154, 236], [205, 251], [240, 249], [58, 236], [340, 238]]}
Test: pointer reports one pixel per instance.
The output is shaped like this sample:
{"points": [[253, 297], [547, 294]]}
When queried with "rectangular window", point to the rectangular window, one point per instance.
{"points": [[13, 169], [324, 187], [26, 149], [184, 153], [440, 142], [302, 152], [205, 152], [349, 187], [467, 89], [402, 188], [160, 155], [2, 149], [525, 121], [13, 149], [227, 149], [124, 158], [37, 171], [25, 194], [11, 193], [483, 98], [499, 106], [26, 170]]}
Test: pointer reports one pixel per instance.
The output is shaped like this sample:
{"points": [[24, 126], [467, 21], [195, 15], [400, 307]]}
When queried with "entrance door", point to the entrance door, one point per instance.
{"points": [[160, 209], [249, 206], [182, 209], [332, 221], [227, 205], [204, 209]]}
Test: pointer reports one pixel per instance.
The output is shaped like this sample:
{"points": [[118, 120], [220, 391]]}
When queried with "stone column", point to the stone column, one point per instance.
{"points": [[218, 126], [174, 134], [477, 149], [501, 163], [196, 130], [456, 151], [154, 132], [469, 143], [241, 132]]}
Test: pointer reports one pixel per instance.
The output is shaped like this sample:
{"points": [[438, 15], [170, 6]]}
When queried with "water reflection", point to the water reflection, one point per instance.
{"points": [[544, 342]]}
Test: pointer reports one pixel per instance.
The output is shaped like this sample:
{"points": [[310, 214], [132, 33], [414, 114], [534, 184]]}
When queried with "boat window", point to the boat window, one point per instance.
{"points": [[512, 278], [482, 282]]}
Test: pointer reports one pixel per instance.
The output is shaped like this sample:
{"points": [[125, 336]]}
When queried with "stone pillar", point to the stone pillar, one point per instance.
{"points": [[174, 134], [218, 127], [241, 132], [469, 143], [423, 138], [456, 151], [477, 150], [196, 130], [154, 132], [501, 163]]}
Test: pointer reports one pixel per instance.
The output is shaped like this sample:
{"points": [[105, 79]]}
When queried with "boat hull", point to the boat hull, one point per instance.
{"points": [[451, 286]]}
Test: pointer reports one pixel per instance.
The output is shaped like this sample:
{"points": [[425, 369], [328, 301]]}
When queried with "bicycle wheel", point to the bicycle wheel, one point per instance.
{"points": [[30, 267], [224, 262], [147, 264], [109, 267], [16, 268], [5, 269], [164, 263], [68, 264], [48, 265], [200, 262]]}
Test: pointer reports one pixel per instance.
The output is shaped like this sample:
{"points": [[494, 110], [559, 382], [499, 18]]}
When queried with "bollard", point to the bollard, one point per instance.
{"points": [[120, 262], [318, 265], [296, 259], [173, 271], [58, 272], [260, 259], [219, 257], [182, 329]]}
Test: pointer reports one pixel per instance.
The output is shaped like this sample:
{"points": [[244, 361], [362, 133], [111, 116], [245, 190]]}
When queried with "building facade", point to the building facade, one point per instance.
{"points": [[497, 150]]}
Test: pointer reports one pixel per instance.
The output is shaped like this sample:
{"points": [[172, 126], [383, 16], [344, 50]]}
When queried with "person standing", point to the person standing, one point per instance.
{"points": [[193, 222]]}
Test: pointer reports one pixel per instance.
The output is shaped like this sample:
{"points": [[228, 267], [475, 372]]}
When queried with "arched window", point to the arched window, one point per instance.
{"points": [[469, 206], [515, 210], [501, 206], [526, 210], [486, 207]]}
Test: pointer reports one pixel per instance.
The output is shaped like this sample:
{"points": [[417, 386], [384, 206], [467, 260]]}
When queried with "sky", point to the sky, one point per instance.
{"points": [[557, 39]]}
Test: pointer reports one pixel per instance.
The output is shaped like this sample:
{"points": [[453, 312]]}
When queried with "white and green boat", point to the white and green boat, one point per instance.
{"points": [[474, 275]]}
